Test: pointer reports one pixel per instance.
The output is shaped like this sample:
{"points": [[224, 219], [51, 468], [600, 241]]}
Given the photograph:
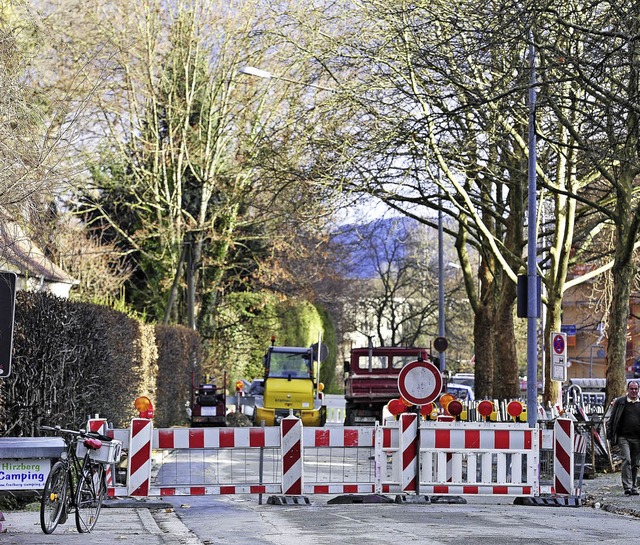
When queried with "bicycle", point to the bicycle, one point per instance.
{"points": [[77, 480]]}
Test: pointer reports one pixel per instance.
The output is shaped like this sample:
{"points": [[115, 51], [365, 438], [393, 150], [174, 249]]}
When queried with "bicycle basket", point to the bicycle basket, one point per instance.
{"points": [[109, 453]]}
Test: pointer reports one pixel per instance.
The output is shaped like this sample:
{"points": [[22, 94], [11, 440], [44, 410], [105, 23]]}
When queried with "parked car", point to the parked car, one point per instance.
{"points": [[461, 391], [256, 388]]}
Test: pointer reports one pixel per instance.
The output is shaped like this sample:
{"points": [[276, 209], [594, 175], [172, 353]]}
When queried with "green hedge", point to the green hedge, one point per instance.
{"points": [[74, 360]]}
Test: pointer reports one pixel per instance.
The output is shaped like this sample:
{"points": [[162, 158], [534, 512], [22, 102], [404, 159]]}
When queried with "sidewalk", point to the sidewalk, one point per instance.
{"points": [[121, 521], [605, 492], [157, 524]]}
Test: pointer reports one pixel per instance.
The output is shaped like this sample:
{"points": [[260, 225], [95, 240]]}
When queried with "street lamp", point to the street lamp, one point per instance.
{"points": [[264, 74]]}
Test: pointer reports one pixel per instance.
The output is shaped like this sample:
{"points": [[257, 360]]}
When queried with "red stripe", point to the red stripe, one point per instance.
{"points": [[227, 490], [351, 437], [439, 489], [287, 425], [386, 437], [472, 439], [256, 437], [322, 438], [167, 491], [197, 491], [563, 457], [96, 425], [138, 425], [291, 457], [321, 489], [140, 458], [470, 489], [350, 488], [500, 489], [443, 439], [527, 440], [295, 488], [227, 439], [409, 454], [196, 438], [165, 438], [565, 425], [501, 440], [142, 490], [258, 489]]}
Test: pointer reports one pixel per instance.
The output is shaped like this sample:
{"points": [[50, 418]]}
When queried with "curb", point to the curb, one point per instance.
{"points": [[133, 503]]}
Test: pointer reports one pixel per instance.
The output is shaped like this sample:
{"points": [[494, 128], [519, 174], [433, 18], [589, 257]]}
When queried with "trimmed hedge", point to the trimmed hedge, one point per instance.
{"points": [[74, 360]]}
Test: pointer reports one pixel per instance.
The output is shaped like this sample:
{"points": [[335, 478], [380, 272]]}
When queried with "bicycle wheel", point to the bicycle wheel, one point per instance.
{"points": [[54, 498], [91, 491]]}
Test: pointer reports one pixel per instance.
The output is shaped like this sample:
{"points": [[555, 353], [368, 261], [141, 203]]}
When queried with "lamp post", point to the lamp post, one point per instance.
{"points": [[265, 74], [532, 273], [441, 313]]}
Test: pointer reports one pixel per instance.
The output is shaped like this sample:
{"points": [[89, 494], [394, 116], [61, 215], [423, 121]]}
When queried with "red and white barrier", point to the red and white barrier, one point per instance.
{"points": [[456, 458], [291, 456], [409, 451], [99, 425], [339, 437], [460, 458], [216, 438], [139, 466], [563, 457]]}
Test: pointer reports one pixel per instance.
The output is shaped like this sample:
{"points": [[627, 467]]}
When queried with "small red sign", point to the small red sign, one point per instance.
{"points": [[558, 344]]}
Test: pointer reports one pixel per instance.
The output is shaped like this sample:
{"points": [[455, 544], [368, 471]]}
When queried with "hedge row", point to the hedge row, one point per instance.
{"points": [[74, 360]]}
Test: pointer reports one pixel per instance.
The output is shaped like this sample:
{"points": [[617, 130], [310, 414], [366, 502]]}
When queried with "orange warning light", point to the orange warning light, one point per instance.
{"points": [[144, 407]]}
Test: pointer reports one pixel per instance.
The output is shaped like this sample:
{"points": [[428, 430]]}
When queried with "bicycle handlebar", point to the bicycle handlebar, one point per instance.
{"points": [[77, 433]]}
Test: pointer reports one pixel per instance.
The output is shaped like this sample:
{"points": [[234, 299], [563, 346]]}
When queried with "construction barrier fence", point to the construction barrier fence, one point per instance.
{"points": [[407, 456]]}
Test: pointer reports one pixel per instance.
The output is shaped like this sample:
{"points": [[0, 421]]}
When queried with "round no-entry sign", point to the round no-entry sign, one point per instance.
{"points": [[420, 382]]}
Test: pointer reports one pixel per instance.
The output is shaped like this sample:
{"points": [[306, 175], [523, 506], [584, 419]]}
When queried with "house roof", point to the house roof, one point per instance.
{"points": [[19, 254]]}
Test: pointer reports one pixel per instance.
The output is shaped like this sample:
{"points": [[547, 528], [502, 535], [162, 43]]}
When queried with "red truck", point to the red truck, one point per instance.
{"points": [[371, 380]]}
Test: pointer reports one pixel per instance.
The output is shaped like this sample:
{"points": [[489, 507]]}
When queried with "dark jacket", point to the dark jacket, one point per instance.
{"points": [[614, 419]]}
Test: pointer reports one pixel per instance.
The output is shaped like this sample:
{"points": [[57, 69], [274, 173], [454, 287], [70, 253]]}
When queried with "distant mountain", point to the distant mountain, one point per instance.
{"points": [[369, 247]]}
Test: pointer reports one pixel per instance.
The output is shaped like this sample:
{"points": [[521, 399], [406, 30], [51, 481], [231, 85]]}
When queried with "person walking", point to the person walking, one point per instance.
{"points": [[623, 429]]}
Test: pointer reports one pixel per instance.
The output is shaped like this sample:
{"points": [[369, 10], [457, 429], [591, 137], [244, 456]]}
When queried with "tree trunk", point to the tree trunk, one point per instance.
{"points": [[553, 323], [623, 272], [506, 384], [484, 341]]}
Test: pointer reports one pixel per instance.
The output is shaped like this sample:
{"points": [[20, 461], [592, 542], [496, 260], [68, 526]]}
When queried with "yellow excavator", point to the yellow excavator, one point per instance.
{"points": [[291, 385]]}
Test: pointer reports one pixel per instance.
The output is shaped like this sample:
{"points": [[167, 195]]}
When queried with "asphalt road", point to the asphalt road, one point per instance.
{"points": [[234, 520]]}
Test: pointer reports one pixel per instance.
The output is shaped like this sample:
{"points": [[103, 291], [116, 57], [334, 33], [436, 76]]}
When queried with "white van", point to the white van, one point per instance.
{"points": [[461, 391]]}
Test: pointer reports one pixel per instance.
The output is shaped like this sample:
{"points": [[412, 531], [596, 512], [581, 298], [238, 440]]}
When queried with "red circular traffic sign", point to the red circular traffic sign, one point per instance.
{"points": [[558, 344], [420, 382]]}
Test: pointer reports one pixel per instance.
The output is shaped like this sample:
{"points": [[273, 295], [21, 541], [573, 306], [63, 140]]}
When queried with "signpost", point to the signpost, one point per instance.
{"points": [[420, 383], [559, 356]]}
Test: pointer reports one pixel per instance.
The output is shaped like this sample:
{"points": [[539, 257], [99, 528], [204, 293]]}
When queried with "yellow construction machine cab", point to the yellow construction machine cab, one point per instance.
{"points": [[290, 386]]}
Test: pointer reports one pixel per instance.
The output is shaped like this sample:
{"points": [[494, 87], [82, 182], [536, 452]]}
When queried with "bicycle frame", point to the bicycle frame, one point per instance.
{"points": [[75, 483]]}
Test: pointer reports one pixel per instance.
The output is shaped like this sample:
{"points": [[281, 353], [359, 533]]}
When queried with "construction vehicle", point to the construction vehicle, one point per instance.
{"points": [[371, 381], [291, 386], [208, 404]]}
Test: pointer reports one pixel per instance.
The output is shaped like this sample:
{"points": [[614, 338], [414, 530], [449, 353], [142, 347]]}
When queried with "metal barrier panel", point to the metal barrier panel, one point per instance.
{"points": [[470, 458], [340, 460]]}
